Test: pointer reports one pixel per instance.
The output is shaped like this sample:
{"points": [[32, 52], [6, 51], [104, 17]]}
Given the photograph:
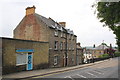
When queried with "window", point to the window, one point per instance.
{"points": [[56, 45], [21, 58], [61, 45], [55, 60], [64, 45], [72, 58], [73, 38], [73, 49], [69, 36], [56, 33], [64, 35], [70, 46], [61, 34]]}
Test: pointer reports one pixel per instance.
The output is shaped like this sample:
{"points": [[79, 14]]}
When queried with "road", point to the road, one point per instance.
{"points": [[104, 70]]}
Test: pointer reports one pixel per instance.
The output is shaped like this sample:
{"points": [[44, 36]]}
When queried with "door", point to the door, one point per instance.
{"points": [[30, 62]]}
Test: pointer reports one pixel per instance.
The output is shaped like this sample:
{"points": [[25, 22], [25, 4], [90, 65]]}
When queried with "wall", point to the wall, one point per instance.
{"points": [[32, 27], [0, 57], [9, 46], [97, 53], [79, 56], [53, 52], [71, 49]]}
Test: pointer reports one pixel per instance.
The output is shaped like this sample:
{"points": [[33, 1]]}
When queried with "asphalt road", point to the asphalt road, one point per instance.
{"points": [[107, 69]]}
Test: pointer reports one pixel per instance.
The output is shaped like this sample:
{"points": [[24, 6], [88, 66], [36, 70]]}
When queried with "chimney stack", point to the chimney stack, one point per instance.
{"points": [[94, 46], [78, 44], [110, 46], [62, 24], [30, 10]]}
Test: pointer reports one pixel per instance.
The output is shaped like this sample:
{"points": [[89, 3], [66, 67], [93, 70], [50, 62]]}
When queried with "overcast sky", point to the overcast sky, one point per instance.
{"points": [[78, 15]]}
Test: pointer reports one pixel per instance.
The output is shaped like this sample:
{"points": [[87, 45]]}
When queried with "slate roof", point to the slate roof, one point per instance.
{"points": [[79, 47], [100, 47], [52, 24]]}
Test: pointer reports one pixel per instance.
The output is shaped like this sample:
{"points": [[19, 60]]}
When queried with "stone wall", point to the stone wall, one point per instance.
{"points": [[40, 54]]}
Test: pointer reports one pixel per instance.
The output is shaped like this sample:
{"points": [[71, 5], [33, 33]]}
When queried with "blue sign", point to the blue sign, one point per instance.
{"points": [[29, 64], [25, 50]]}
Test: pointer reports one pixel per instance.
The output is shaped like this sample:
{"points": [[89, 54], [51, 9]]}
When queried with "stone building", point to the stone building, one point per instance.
{"points": [[62, 41], [96, 52], [20, 55], [79, 56], [99, 50]]}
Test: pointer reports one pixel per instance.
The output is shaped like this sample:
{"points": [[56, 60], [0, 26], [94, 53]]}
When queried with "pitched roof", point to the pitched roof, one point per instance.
{"points": [[102, 46], [52, 24]]}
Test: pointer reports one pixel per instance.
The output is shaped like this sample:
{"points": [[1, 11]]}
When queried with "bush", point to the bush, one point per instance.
{"points": [[117, 54], [104, 56]]}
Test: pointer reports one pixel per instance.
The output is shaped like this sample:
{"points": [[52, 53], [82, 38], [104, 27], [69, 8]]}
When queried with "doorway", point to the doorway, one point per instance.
{"points": [[30, 61]]}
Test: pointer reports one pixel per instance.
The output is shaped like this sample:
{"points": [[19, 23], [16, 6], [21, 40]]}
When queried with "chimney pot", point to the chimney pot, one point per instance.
{"points": [[30, 10], [78, 44], [94, 46], [62, 24]]}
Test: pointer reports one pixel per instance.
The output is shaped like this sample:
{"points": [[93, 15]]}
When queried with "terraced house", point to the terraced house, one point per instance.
{"points": [[62, 41]]}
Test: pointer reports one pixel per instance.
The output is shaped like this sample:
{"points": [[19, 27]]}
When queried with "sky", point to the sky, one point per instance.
{"points": [[78, 15]]}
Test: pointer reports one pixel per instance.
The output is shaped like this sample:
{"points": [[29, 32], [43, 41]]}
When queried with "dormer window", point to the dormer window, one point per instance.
{"points": [[55, 25], [56, 33], [73, 38], [69, 36], [64, 35]]}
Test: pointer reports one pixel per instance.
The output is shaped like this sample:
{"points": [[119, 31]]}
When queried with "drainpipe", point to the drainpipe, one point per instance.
{"points": [[77, 56], [66, 56]]}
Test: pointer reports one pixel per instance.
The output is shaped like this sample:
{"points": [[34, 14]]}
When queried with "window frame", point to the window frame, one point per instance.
{"points": [[56, 45], [61, 45], [18, 64], [61, 34], [56, 33], [55, 60]]}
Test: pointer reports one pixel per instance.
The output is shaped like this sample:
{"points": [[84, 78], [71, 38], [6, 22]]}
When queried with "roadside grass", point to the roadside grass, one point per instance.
{"points": [[104, 55], [117, 54]]}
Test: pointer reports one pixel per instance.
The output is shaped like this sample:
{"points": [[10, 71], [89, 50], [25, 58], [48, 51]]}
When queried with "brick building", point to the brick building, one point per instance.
{"points": [[20, 55], [62, 41]]}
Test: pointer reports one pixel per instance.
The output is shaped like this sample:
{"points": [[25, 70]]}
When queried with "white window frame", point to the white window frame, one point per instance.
{"points": [[61, 34], [55, 60], [56, 45], [24, 54], [56, 33], [70, 36], [73, 48], [64, 35], [73, 38], [64, 44], [61, 45]]}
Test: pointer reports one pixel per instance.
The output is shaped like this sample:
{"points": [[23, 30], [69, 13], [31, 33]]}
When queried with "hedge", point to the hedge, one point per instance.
{"points": [[104, 56], [117, 54]]}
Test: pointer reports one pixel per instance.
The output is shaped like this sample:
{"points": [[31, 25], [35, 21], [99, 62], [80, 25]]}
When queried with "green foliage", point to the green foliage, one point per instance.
{"points": [[104, 44], [109, 14], [117, 54], [104, 56]]}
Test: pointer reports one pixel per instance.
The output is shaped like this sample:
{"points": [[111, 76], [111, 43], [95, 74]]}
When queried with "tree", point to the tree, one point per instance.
{"points": [[109, 14]]}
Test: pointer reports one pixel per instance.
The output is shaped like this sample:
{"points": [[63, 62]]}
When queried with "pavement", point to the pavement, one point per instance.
{"points": [[42, 72]]}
